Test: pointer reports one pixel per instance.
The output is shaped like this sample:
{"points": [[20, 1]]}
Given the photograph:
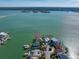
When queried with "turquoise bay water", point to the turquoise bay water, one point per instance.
{"points": [[22, 26]]}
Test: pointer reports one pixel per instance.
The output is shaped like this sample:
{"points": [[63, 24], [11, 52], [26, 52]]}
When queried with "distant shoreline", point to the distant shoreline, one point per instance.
{"points": [[73, 9]]}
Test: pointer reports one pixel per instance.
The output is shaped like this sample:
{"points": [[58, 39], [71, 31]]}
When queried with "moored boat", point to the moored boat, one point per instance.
{"points": [[4, 36]]}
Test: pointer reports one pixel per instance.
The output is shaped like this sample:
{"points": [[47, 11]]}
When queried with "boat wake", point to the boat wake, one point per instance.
{"points": [[2, 17], [5, 16]]}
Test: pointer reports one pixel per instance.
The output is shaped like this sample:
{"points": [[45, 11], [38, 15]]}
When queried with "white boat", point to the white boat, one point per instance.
{"points": [[4, 37]]}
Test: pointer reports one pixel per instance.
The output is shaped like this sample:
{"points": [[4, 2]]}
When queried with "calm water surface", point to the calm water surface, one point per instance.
{"points": [[22, 26]]}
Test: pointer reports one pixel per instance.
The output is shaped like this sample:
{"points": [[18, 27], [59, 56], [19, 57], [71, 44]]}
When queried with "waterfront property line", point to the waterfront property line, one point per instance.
{"points": [[74, 9]]}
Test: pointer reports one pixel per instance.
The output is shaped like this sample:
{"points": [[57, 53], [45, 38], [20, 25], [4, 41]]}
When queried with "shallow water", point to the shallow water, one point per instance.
{"points": [[22, 26], [71, 33]]}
